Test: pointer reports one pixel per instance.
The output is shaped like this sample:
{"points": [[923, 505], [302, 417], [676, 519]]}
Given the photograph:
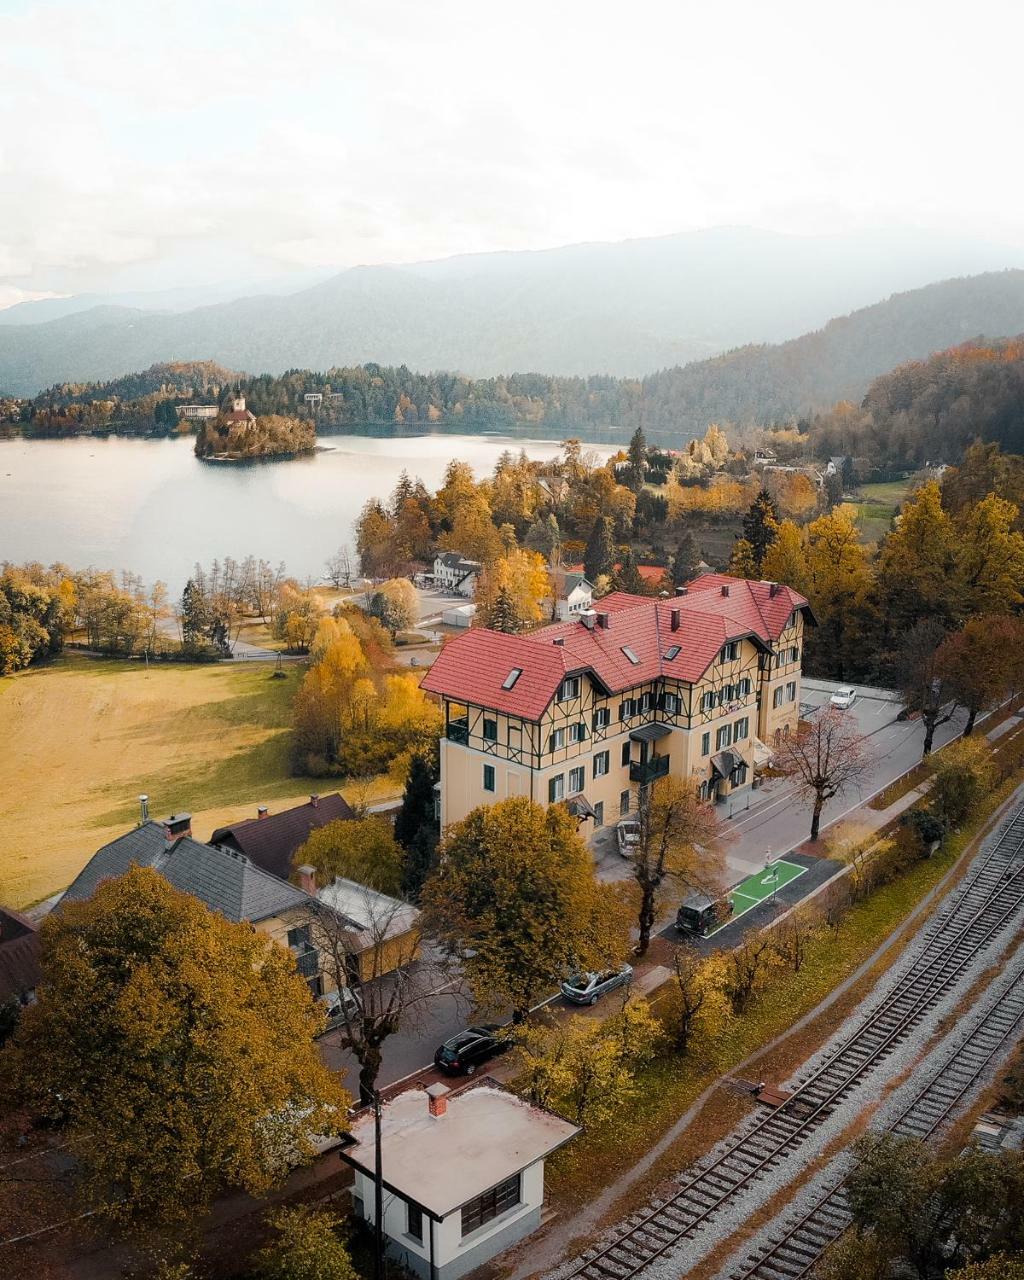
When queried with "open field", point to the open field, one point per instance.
{"points": [[82, 738], [878, 505]]}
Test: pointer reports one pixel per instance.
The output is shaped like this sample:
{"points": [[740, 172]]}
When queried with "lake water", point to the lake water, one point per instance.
{"points": [[152, 507]]}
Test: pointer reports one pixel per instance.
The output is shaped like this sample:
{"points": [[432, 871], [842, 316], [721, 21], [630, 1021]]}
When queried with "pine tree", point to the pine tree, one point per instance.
{"points": [[599, 556], [637, 468], [741, 562], [685, 561], [193, 616], [627, 576], [761, 527], [417, 801], [502, 615]]}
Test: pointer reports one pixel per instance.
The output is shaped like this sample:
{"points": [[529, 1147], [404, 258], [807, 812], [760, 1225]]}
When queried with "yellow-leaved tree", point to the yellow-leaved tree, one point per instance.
{"points": [[176, 1048], [511, 592]]}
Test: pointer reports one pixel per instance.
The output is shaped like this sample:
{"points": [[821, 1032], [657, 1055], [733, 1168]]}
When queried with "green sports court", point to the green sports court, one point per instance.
{"points": [[751, 892]]}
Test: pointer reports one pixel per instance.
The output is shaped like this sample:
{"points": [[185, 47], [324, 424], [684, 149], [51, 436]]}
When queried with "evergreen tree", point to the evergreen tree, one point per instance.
{"points": [[599, 556], [685, 561], [761, 527], [627, 576], [741, 562], [637, 468], [502, 615], [417, 801], [420, 861], [194, 617]]}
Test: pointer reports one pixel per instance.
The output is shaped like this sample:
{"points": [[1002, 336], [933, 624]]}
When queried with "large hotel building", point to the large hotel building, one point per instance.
{"points": [[586, 712]]}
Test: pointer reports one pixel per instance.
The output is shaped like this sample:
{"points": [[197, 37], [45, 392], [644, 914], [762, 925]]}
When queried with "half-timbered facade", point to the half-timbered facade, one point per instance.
{"points": [[586, 712]]}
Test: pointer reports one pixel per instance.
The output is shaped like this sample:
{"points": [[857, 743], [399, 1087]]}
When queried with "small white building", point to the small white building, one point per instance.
{"points": [[193, 412], [455, 574], [314, 399], [575, 597], [462, 1174], [460, 615]]}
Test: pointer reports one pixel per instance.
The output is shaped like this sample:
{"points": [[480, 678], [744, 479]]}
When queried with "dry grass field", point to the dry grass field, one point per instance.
{"points": [[82, 738]]}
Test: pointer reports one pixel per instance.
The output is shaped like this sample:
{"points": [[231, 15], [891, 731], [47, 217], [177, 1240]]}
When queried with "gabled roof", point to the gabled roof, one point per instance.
{"points": [[373, 916], [271, 842], [574, 580], [474, 668], [224, 880], [20, 973]]}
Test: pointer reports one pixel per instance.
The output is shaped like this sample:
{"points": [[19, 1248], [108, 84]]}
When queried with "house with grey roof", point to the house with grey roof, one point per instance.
{"points": [[225, 880], [455, 574], [575, 595]]}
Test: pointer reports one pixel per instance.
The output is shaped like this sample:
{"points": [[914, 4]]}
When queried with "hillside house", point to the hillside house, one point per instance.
{"points": [[196, 412], [462, 1174], [271, 840], [588, 711], [456, 575], [20, 973], [575, 595]]}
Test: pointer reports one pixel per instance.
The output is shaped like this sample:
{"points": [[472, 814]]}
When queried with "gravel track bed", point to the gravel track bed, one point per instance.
{"points": [[738, 1209]]}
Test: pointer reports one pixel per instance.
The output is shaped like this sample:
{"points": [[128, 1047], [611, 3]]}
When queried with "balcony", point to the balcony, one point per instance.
{"points": [[650, 771], [458, 731]]}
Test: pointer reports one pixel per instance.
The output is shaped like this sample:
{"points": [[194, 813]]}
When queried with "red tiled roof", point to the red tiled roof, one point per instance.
{"points": [[649, 572], [473, 667]]}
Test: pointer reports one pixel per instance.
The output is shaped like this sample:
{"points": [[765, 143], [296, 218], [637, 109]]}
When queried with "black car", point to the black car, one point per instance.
{"points": [[462, 1054]]}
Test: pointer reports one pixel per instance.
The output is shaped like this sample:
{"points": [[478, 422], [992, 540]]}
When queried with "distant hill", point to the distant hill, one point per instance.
{"points": [[620, 309]]}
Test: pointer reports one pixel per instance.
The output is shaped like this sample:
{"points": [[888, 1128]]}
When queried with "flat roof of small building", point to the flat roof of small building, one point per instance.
{"points": [[486, 1135]]}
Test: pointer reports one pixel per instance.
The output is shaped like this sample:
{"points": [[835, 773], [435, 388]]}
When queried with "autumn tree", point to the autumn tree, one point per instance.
{"points": [[1001, 1266], [963, 777], [510, 592], [990, 558], [304, 1246], [837, 583], [177, 1050], [917, 564], [742, 563], [395, 603], [748, 968], [793, 935], [856, 1255], [339, 568], [678, 846], [297, 618], [760, 528], [359, 849], [786, 559], [515, 900], [824, 759], [599, 556], [920, 678], [698, 1004], [982, 662]]}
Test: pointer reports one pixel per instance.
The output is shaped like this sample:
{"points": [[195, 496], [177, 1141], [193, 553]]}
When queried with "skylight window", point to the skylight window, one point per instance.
{"points": [[672, 652], [630, 654], [512, 677]]}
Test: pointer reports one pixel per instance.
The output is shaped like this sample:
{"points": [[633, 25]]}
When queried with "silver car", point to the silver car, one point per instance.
{"points": [[588, 988], [627, 833]]}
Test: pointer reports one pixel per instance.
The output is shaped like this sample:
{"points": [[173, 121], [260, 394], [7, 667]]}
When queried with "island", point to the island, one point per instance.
{"points": [[237, 435]]}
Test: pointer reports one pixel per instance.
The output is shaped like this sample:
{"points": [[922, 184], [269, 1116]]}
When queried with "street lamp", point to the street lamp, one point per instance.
{"points": [[771, 874]]}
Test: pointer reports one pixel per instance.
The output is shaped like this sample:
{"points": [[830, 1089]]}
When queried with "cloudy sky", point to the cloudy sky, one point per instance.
{"points": [[146, 145]]}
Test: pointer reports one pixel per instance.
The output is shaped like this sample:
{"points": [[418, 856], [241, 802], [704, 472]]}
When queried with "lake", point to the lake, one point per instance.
{"points": [[151, 506]]}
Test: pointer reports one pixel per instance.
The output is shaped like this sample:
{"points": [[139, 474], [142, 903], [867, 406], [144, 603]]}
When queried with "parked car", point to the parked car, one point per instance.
{"points": [[844, 698], [699, 914], [588, 988], [338, 1004], [627, 833], [463, 1053]]}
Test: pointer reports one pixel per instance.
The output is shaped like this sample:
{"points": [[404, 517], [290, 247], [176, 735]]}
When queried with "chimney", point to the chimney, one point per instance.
{"points": [[307, 879], [262, 811], [603, 620], [681, 591], [675, 619], [143, 809], [725, 588], [176, 826], [559, 640], [774, 590], [587, 617], [437, 1099], [314, 801]]}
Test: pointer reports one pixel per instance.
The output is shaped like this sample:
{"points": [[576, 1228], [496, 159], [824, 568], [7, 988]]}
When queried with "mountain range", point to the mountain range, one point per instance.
{"points": [[624, 309]]}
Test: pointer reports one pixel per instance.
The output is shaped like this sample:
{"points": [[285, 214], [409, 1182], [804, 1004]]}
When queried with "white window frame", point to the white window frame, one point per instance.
{"points": [[576, 774], [602, 763]]}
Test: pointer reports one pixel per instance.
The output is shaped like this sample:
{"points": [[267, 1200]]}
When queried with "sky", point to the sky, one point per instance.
{"points": [[148, 145]]}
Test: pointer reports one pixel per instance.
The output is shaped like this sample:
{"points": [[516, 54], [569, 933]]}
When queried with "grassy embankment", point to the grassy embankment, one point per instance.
{"points": [[671, 1084], [877, 506], [83, 738]]}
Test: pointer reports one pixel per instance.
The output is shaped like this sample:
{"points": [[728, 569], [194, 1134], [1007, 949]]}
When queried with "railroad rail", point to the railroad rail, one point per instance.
{"points": [[990, 899], [793, 1255]]}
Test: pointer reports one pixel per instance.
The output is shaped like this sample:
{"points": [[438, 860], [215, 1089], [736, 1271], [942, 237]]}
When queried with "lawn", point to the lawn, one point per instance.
{"points": [[878, 505], [82, 738]]}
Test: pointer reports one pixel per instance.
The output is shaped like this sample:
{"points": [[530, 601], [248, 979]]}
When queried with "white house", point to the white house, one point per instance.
{"points": [[195, 411], [314, 399], [455, 574], [575, 597], [462, 1174]]}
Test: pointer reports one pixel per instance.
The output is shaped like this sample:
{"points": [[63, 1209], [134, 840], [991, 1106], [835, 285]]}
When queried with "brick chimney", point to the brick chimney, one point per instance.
{"points": [[437, 1099], [307, 879], [587, 617], [262, 811], [682, 591], [314, 801], [176, 826], [674, 615], [603, 620], [725, 588], [774, 590]]}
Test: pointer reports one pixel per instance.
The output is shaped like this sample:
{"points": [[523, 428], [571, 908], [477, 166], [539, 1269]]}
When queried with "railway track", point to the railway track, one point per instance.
{"points": [[989, 901], [793, 1255]]}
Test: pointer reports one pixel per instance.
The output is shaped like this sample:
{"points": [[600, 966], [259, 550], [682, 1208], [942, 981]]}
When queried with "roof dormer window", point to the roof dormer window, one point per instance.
{"points": [[630, 655], [672, 653], [511, 678]]}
